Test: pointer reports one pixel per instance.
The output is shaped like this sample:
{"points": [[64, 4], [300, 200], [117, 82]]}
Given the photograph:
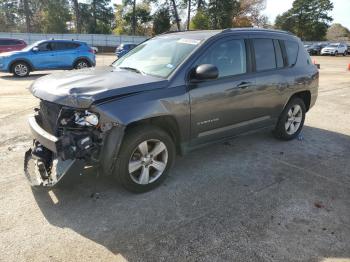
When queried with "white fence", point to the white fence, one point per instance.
{"points": [[90, 39]]}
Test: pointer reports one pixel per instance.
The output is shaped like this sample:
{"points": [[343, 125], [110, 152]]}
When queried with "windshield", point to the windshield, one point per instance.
{"points": [[333, 45], [30, 47], [158, 57]]}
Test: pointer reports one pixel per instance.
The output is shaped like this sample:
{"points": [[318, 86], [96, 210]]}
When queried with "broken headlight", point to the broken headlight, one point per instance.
{"points": [[82, 118], [86, 118]]}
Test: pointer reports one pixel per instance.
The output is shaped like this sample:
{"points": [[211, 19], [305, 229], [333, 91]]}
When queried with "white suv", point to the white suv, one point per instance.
{"points": [[335, 49]]}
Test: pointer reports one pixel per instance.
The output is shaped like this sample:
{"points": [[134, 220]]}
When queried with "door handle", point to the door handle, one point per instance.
{"points": [[244, 85]]}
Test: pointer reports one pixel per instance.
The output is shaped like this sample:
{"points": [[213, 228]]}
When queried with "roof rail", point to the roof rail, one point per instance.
{"points": [[252, 29], [182, 31]]}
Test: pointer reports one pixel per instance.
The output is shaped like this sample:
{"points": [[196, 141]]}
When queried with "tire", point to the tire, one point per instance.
{"points": [[336, 53], [283, 129], [81, 64], [345, 53], [135, 155], [20, 69]]}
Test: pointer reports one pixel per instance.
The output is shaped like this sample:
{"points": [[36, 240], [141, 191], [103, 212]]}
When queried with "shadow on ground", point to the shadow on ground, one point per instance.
{"points": [[31, 77], [253, 198]]}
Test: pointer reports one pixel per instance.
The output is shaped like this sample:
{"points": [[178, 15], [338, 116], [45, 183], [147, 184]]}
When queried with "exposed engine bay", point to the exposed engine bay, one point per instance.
{"points": [[64, 138]]}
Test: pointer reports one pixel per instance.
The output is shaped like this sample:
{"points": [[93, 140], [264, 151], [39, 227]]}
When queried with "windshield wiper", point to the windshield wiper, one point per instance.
{"points": [[132, 69]]}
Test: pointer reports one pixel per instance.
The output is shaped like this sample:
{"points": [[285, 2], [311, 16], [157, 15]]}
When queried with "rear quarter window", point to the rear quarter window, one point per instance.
{"points": [[292, 49]]}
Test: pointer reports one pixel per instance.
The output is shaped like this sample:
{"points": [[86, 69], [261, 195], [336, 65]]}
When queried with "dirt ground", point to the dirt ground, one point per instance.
{"points": [[251, 199]]}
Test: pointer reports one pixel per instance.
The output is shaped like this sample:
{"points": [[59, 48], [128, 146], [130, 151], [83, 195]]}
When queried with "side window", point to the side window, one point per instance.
{"points": [[265, 58], [292, 49], [6, 42], [228, 56], [64, 46], [278, 52], [45, 47]]}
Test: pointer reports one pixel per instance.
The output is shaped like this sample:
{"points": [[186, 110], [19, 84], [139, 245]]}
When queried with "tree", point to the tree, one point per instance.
{"points": [[161, 21], [308, 19], [176, 14], [55, 16], [8, 18], [133, 4], [96, 16], [337, 32], [200, 21], [77, 15], [27, 15], [249, 14], [222, 12], [125, 17]]}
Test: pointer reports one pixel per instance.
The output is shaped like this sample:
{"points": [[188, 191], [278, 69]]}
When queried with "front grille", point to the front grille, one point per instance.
{"points": [[49, 113]]}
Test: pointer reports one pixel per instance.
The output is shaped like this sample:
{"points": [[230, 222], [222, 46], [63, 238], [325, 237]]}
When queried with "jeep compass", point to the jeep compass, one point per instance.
{"points": [[171, 94]]}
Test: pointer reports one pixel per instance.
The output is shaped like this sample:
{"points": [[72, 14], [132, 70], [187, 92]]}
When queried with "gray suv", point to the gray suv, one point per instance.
{"points": [[171, 94]]}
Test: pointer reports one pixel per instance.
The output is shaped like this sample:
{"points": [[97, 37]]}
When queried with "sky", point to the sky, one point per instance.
{"points": [[340, 13]]}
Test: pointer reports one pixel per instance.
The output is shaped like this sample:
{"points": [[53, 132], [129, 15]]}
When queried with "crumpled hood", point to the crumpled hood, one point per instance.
{"points": [[81, 88]]}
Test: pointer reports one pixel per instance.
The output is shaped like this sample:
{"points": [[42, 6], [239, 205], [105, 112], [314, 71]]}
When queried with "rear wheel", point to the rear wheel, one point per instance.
{"points": [[345, 53], [20, 69], [82, 63], [145, 157], [291, 120]]}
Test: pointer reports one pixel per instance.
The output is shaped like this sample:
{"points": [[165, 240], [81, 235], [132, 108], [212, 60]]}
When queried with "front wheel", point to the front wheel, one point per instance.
{"points": [[145, 157], [20, 69], [291, 120]]}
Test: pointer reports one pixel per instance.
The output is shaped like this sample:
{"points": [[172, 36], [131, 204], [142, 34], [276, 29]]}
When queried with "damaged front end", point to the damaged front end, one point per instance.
{"points": [[65, 141]]}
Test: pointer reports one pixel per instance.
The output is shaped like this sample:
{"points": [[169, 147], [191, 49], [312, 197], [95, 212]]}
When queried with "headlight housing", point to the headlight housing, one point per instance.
{"points": [[86, 118]]}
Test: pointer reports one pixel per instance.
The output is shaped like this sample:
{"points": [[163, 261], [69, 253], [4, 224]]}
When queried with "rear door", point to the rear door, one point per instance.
{"points": [[223, 107], [65, 54], [271, 75]]}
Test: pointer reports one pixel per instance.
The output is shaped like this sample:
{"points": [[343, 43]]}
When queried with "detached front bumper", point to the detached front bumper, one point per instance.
{"points": [[42, 167]]}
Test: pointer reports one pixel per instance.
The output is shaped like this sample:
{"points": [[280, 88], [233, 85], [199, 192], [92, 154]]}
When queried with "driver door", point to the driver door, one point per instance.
{"points": [[223, 107], [44, 58]]}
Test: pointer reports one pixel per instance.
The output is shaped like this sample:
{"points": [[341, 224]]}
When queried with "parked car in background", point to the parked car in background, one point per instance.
{"points": [[8, 45], [335, 49], [123, 49], [315, 49], [171, 94], [48, 55]]}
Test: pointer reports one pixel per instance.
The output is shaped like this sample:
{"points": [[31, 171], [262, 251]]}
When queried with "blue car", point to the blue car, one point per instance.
{"points": [[123, 49], [48, 55]]}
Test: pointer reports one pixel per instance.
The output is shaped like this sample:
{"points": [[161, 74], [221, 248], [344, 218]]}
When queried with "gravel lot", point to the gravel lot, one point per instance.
{"points": [[251, 199]]}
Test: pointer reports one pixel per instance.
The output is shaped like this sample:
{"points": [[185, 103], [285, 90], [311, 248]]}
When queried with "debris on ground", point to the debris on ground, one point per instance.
{"points": [[319, 204]]}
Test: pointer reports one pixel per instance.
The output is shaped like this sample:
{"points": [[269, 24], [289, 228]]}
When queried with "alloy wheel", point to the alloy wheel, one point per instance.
{"points": [[293, 122], [148, 161], [21, 70], [81, 65]]}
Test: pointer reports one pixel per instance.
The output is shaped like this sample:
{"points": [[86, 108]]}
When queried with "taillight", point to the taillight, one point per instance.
{"points": [[91, 51]]}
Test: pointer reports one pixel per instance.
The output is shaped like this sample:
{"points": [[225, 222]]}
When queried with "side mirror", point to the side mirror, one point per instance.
{"points": [[35, 49], [205, 72]]}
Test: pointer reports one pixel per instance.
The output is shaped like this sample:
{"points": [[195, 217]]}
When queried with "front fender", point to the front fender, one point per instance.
{"points": [[173, 101], [13, 61]]}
